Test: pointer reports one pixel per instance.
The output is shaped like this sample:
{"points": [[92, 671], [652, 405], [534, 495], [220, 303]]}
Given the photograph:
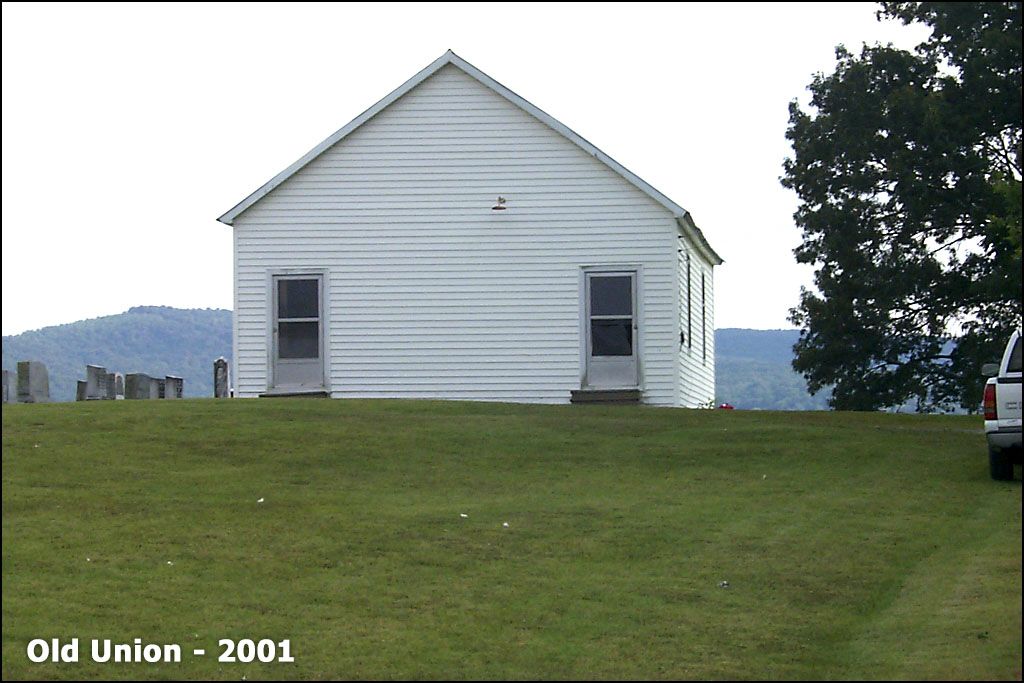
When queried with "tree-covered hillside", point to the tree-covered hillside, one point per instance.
{"points": [[156, 340], [754, 371]]}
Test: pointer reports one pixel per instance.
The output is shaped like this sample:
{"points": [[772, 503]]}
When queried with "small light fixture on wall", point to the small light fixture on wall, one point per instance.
{"points": [[500, 206]]}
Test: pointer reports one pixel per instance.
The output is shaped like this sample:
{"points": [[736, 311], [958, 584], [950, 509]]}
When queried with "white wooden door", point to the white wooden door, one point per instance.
{"points": [[298, 354], [612, 330]]}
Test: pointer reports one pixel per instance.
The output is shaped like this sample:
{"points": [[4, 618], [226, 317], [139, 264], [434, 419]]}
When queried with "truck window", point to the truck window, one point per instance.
{"points": [[1014, 364]]}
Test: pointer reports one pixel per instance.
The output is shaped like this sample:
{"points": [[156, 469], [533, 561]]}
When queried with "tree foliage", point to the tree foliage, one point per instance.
{"points": [[907, 166]]}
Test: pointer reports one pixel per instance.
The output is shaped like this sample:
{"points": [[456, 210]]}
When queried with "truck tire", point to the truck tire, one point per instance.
{"points": [[1000, 466]]}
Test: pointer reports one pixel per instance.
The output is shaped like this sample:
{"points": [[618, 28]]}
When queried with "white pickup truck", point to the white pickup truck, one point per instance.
{"points": [[1002, 410]]}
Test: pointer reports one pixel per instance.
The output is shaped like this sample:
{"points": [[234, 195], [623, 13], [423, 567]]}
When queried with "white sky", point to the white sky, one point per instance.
{"points": [[127, 129]]}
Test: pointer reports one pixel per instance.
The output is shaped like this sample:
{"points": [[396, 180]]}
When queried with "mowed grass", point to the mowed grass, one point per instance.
{"points": [[854, 545]]}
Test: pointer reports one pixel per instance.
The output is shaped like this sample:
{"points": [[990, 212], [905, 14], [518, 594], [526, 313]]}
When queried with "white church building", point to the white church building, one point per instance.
{"points": [[456, 242]]}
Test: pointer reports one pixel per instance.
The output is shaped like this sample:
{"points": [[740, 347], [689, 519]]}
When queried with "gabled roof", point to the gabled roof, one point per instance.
{"points": [[682, 216]]}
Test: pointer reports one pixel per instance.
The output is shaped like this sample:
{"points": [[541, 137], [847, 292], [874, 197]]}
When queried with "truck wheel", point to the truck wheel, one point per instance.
{"points": [[1000, 466]]}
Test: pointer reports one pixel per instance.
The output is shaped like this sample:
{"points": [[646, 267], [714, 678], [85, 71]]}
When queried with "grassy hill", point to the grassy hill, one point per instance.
{"points": [[854, 545], [157, 340], [753, 366]]}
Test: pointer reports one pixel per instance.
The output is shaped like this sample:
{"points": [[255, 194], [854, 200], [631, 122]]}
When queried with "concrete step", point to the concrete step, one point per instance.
{"points": [[605, 396]]}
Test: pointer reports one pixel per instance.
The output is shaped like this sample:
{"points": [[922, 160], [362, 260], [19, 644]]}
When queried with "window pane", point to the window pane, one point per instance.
{"points": [[298, 299], [611, 337], [298, 340], [611, 295], [1014, 365]]}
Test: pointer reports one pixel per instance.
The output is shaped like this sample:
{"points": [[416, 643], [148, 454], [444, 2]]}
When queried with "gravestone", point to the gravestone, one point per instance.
{"points": [[81, 390], [174, 387], [111, 389], [95, 382], [221, 378], [156, 387], [33, 382], [118, 386], [7, 387], [137, 385]]}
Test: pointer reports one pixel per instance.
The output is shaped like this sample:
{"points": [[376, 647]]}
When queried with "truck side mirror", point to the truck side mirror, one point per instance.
{"points": [[990, 369]]}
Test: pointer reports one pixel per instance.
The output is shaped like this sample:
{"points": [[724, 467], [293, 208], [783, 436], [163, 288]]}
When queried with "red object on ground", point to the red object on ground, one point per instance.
{"points": [[726, 406]]}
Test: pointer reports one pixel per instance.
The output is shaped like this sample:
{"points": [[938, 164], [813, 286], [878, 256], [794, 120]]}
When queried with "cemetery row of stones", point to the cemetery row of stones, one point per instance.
{"points": [[33, 384], [100, 385]]}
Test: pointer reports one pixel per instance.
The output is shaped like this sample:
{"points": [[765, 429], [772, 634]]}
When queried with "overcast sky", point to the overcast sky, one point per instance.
{"points": [[127, 129]]}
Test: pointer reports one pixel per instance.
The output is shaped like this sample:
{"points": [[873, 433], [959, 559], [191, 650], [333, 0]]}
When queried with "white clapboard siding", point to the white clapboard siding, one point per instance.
{"points": [[696, 358], [430, 293]]}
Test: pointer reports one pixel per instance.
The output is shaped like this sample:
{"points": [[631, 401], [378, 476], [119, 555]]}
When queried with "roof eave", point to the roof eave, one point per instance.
{"points": [[229, 217], [691, 230]]}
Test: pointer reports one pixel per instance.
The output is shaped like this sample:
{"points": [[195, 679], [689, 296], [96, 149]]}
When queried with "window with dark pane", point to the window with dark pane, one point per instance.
{"points": [[611, 295], [298, 340], [689, 304], [611, 337], [1015, 360], [298, 299], [703, 321]]}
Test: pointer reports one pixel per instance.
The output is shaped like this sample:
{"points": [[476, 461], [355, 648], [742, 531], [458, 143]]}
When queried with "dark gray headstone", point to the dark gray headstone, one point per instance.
{"points": [[82, 390], [174, 387], [95, 382], [110, 395], [7, 387], [33, 382], [137, 385], [221, 378]]}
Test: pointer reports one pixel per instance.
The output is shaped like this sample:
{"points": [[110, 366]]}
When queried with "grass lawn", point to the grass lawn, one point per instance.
{"points": [[854, 545]]}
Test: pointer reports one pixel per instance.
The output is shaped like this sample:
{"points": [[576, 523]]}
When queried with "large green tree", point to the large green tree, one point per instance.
{"points": [[907, 166]]}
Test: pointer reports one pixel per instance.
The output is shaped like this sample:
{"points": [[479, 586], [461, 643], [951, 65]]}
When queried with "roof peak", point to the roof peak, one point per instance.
{"points": [[681, 215]]}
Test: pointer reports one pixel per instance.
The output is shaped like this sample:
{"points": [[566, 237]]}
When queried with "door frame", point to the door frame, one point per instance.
{"points": [[272, 276], [634, 269]]}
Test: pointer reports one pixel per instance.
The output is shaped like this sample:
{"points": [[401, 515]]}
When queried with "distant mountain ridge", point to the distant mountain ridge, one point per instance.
{"points": [[753, 366], [766, 346]]}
